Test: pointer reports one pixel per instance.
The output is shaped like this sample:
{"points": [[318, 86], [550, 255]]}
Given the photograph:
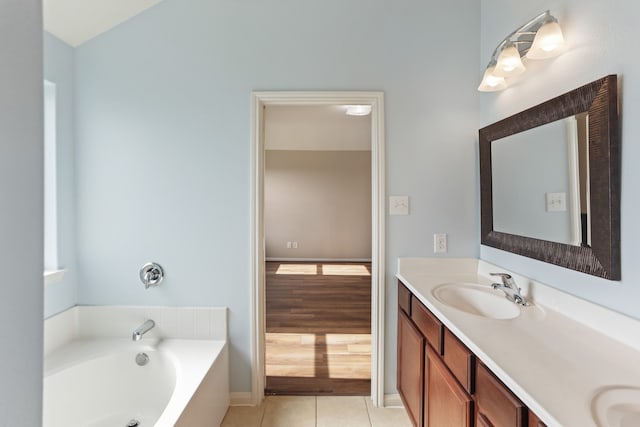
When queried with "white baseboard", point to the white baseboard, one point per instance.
{"points": [[241, 398], [269, 259], [393, 401]]}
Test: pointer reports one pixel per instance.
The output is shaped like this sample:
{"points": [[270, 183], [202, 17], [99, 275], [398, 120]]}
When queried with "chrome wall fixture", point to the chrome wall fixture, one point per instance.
{"points": [[540, 38], [151, 274]]}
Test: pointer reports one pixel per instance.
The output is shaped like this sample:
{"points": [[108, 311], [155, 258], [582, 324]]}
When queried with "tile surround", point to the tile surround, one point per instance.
{"points": [[81, 322]]}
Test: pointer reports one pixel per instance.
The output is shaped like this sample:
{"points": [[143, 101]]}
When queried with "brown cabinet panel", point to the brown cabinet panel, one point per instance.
{"points": [[460, 360], [404, 298], [534, 421], [483, 421], [428, 324], [446, 402], [495, 401], [410, 380]]}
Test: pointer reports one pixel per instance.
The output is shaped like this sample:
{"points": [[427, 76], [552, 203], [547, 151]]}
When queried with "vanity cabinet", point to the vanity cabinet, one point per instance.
{"points": [[441, 382]]}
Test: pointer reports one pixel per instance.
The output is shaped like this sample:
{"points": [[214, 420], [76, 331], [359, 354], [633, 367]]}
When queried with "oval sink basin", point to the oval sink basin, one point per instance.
{"points": [[617, 406], [477, 300]]}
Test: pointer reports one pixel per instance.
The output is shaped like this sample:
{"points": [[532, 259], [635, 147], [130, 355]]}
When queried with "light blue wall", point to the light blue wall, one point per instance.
{"points": [[163, 138], [58, 69], [21, 218], [598, 35]]}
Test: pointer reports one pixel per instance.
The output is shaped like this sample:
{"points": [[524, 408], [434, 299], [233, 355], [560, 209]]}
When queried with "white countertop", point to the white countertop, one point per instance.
{"points": [[555, 362]]}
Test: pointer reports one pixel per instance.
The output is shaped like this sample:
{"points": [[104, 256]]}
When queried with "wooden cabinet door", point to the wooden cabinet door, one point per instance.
{"points": [[410, 380], [446, 402], [496, 405]]}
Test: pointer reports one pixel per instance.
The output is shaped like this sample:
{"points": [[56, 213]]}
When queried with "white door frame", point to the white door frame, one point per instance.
{"points": [[258, 101]]}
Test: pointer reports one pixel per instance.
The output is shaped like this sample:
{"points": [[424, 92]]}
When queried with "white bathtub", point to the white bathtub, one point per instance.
{"points": [[95, 381]]}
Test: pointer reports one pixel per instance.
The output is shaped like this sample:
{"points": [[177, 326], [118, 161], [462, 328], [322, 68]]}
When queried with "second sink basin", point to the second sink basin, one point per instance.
{"points": [[617, 406], [477, 300]]}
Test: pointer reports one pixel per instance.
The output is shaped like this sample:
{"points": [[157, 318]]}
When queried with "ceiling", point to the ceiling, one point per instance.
{"points": [[76, 21], [319, 128]]}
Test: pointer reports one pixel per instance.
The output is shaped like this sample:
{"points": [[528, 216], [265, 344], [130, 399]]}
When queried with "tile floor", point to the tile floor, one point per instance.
{"points": [[315, 411]]}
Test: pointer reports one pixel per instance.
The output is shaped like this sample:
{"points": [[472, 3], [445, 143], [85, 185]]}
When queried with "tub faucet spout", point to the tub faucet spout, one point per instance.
{"points": [[142, 329]]}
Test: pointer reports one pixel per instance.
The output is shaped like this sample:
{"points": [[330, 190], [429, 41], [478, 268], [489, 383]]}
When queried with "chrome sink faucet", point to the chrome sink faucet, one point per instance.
{"points": [[509, 287], [142, 329]]}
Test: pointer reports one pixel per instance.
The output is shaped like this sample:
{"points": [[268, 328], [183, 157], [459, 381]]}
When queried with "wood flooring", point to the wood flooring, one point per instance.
{"points": [[318, 321]]}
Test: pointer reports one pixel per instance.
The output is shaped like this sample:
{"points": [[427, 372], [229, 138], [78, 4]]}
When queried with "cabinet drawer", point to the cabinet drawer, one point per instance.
{"points": [[404, 298], [497, 406], [428, 324], [460, 361]]}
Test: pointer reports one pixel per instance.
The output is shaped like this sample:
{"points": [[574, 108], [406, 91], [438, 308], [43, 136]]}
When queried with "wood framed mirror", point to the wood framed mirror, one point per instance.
{"points": [[535, 206]]}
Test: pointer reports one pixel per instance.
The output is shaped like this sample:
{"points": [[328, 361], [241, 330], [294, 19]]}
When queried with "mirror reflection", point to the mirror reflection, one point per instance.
{"points": [[540, 182]]}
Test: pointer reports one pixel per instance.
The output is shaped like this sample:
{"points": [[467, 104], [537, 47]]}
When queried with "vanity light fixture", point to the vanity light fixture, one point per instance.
{"points": [[358, 110], [540, 38]]}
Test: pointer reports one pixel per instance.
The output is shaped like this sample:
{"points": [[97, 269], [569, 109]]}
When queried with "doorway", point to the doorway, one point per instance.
{"points": [[260, 100], [317, 214]]}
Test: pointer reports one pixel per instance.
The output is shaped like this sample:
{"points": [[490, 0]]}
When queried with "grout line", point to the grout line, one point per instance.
{"points": [[264, 410], [366, 408]]}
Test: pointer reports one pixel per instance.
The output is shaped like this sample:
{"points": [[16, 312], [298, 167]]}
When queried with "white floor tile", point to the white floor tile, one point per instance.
{"points": [[285, 411], [342, 411]]}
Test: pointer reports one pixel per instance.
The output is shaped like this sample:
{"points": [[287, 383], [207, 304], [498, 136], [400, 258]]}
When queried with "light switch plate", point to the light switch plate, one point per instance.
{"points": [[399, 205], [556, 202]]}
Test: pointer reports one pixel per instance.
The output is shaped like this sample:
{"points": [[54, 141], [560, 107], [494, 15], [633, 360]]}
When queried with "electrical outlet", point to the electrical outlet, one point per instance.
{"points": [[288, 245], [439, 243]]}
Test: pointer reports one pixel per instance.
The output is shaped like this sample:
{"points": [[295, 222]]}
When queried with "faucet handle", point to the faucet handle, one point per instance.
{"points": [[507, 280], [151, 274], [503, 275]]}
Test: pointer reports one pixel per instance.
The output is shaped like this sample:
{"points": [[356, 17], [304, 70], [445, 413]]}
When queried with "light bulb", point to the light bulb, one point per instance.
{"points": [[358, 110]]}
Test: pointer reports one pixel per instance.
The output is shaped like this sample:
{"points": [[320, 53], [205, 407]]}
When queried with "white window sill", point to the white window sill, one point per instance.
{"points": [[53, 276]]}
